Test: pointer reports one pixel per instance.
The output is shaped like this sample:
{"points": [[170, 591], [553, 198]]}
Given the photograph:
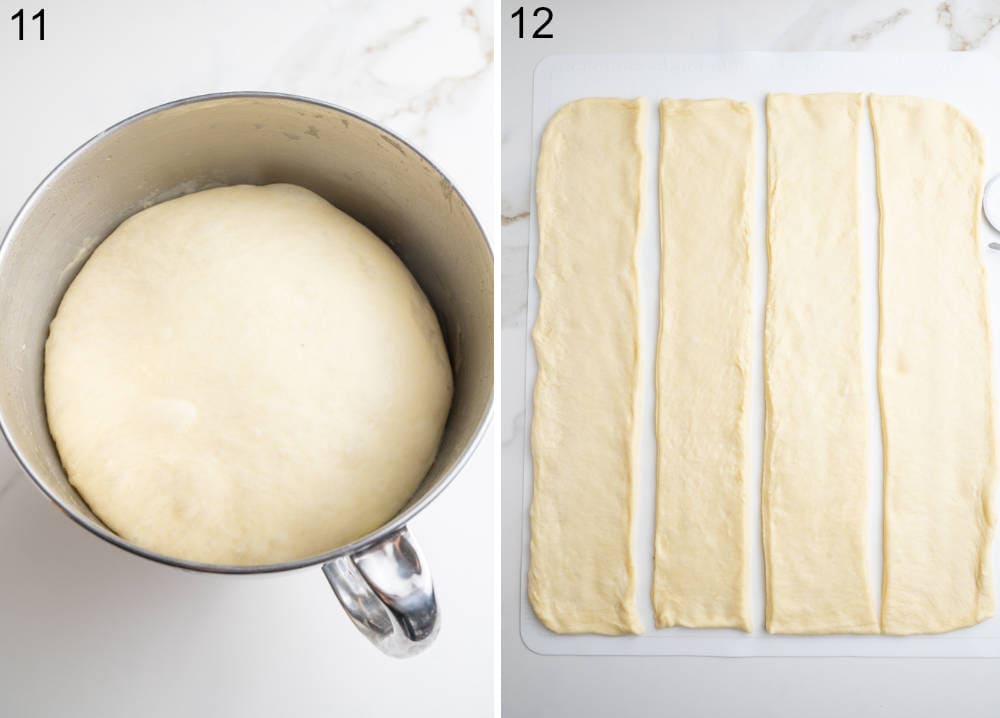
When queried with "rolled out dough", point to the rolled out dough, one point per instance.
{"points": [[815, 482], [245, 375], [701, 573], [935, 369], [584, 431]]}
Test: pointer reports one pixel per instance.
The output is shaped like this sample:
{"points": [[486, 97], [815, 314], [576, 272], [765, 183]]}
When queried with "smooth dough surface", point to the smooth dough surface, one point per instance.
{"points": [[935, 369], [584, 429], [701, 574], [815, 484], [245, 375]]}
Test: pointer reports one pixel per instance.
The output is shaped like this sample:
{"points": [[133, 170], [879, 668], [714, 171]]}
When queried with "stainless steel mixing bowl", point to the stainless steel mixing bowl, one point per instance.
{"points": [[381, 579]]}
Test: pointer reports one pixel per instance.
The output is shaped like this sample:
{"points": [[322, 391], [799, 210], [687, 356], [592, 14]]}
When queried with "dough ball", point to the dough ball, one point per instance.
{"points": [[245, 375]]}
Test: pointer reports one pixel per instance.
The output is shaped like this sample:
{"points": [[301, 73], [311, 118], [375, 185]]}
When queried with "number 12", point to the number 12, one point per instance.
{"points": [[519, 16]]}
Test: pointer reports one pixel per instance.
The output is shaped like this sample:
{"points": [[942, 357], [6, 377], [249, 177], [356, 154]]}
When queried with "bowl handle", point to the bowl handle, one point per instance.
{"points": [[386, 589]]}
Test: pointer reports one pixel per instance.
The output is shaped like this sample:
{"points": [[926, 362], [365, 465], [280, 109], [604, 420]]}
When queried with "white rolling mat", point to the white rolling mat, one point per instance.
{"points": [[968, 81]]}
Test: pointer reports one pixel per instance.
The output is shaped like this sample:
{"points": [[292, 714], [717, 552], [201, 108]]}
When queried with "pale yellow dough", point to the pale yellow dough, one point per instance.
{"points": [[245, 375], [815, 484], [701, 574], [584, 430], [935, 369]]}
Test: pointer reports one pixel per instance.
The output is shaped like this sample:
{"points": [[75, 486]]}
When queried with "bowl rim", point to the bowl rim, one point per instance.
{"points": [[398, 522]]}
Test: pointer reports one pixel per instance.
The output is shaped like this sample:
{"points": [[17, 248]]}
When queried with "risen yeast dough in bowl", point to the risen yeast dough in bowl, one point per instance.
{"points": [[245, 375]]}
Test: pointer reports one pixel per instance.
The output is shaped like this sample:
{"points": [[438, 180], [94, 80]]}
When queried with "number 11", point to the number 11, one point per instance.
{"points": [[19, 17]]}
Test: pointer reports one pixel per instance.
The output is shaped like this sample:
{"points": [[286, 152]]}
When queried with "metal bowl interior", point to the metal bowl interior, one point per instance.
{"points": [[243, 138]]}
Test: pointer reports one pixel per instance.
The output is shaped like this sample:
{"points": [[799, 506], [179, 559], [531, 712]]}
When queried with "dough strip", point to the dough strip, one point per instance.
{"points": [[701, 572], [584, 430], [815, 484]]}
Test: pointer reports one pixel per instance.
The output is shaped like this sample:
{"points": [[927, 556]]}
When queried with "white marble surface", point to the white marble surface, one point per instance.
{"points": [[86, 629], [585, 686]]}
